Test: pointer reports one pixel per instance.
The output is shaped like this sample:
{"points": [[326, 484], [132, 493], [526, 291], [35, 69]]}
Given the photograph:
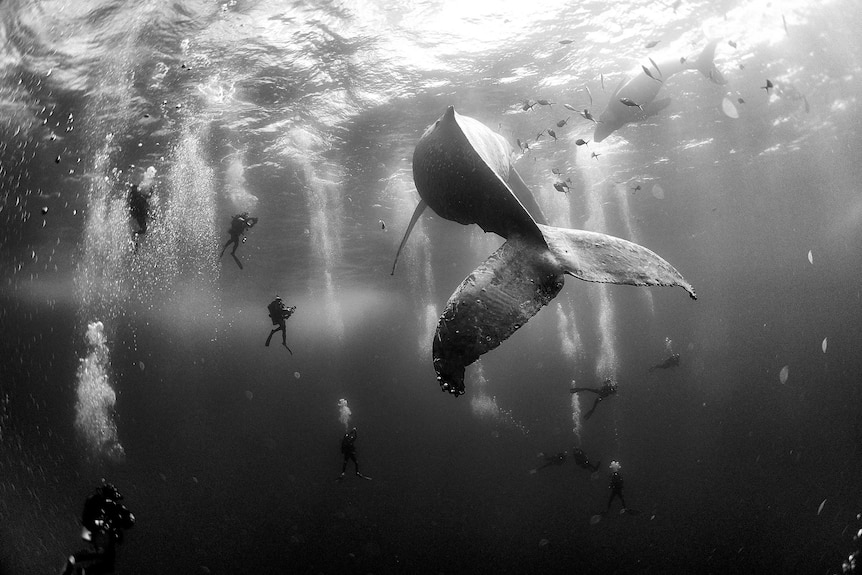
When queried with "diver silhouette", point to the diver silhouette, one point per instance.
{"points": [[279, 313], [556, 459], [139, 208], [581, 460], [348, 450], [238, 226], [104, 518], [670, 361], [616, 485], [609, 388]]}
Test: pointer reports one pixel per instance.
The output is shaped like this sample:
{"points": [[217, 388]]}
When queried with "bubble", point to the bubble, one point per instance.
{"points": [[810, 257], [595, 519], [249, 395], [543, 543], [823, 345], [141, 365], [658, 192], [296, 374], [729, 109], [782, 375]]}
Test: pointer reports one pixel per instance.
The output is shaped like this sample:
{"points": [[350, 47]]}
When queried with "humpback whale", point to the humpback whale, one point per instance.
{"points": [[463, 171], [643, 89]]}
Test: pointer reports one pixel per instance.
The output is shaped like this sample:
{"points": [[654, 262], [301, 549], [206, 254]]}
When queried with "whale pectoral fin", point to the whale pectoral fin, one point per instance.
{"points": [[416, 213], [494, 301], [596, 257], [656, 106]]}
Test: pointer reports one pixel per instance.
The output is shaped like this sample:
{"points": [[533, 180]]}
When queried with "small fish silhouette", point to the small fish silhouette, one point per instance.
{"points": [[630, 102]]}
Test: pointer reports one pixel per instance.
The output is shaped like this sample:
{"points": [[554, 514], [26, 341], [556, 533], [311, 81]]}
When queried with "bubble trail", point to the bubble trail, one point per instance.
{"points": [[344, 413], [94, 410]]}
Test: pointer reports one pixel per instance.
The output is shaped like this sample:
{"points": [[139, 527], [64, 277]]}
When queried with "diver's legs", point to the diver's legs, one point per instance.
{"points": [[272, 333], [236, 259], [589, 414]]}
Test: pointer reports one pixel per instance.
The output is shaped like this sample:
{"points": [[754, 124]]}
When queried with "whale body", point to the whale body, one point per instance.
{"points": [[463, 171], [643, 90]]}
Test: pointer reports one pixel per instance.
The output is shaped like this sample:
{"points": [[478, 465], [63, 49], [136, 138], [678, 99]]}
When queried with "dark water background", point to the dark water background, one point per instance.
{"points": [[306, 114]]}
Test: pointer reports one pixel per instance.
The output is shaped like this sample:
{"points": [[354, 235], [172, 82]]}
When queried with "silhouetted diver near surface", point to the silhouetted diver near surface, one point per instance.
{"points": [[279, 313], [609, 388], [671, 361], [238, 225]]}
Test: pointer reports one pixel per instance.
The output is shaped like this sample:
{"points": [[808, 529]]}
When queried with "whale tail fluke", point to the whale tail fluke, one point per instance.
{"points": [[493, 302], [522, 277], [706, 64], [595, 257]]}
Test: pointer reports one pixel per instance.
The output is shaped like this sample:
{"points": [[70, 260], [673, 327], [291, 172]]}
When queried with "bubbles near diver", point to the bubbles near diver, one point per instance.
{"points": [[344, 413], [783, 374]]}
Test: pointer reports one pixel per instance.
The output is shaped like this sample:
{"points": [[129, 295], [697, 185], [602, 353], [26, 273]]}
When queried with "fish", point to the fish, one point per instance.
{"points": [[740, 100], [544, 102], [648, 73], [564, 42], [636, 188], [552, 134], [652, 44], [783, 19], [562, 123], [631, 103], [731, 43], [570, 107], [527, 105], [587, 88], [654, 65], [463, 171], [382, 225], [644, 91], [581, 142], [603, 82], [595, 155], [561, 187], [768, 85], [587, 116]]}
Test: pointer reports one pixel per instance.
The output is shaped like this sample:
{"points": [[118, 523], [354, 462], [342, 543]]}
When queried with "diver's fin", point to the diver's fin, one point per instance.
{"points": [[595, 257], [496, 299], [706, 64], [416, 213]]}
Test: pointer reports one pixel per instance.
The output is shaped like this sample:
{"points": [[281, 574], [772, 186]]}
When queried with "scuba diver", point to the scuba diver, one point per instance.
{"points": [[238, 225], [581, 460], [616, 485], [279, 313], [609, 388], [139, 207], [671, 361], [556, 459], [348, 450], [104, 518]]}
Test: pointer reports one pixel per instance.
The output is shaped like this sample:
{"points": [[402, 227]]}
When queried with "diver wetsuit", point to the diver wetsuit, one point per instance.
{"points": [[238, 225], [581, 460], [104, 519], [608, 389], [139, 208], [348, 450], [671, 361], [616, 487], [557, 459], [279, 313]]}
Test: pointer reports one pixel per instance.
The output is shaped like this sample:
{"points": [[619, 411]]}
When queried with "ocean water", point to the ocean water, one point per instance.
{"points": [[146, 365]]}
